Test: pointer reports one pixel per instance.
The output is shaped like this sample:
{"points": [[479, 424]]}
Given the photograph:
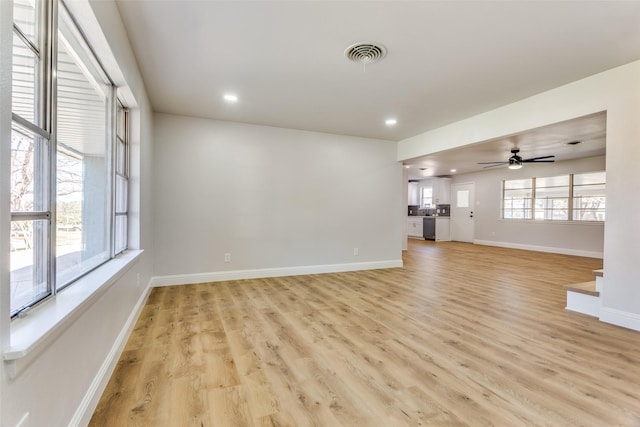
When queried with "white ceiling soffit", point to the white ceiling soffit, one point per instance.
{"points": [[589, 132], [445, 60]]}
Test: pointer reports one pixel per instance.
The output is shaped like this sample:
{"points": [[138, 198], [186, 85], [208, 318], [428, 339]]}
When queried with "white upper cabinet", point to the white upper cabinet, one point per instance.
{"points": [[442, 191], [414, 191]]}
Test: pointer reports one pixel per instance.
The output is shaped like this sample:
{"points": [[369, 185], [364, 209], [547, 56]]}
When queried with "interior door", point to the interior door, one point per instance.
{"points": [[462, 206]]}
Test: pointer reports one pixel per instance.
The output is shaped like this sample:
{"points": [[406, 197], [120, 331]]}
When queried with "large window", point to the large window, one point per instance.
{"points": [[68, 184], [578, 197]]}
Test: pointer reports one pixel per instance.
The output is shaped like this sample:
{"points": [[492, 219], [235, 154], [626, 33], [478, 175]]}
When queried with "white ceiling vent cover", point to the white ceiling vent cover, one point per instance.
{"points": [[365, 53]]}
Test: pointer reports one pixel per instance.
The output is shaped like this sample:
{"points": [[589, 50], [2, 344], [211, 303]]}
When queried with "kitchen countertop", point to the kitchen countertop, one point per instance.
{"points": [[426, 216]]}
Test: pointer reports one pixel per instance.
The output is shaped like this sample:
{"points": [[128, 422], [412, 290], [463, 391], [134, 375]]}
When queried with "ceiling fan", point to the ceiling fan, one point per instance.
{"points": [[515, 161]]}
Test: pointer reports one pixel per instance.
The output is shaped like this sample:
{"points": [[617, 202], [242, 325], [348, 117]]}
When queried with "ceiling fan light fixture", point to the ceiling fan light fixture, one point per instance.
{"points": [[515, 165]]}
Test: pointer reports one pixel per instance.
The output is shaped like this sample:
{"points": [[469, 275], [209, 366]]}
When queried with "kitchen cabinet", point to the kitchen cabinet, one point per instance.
{"points": [[443, 233], [442, 191], [443, 229], [414, 191], [415, 227]]}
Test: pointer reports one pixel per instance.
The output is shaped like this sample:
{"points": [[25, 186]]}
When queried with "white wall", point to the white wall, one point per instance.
{"points": [[57, 381], [584, 239], [6, 34], [617, 92], [273, 198]]}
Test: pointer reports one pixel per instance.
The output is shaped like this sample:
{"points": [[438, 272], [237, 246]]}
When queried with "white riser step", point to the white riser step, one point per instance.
{"points": [[584, 298], [583, 303]]}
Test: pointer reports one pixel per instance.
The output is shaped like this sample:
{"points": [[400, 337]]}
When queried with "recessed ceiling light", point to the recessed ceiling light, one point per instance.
{"points": [[452, 170], [390, 122], [407, 166], [229, 97]]}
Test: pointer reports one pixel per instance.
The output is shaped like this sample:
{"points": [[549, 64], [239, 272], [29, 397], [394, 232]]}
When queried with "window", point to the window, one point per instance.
{"points": [[552, 198], [517, 197], [427, 197], [579, 197], [589, 196], [122, 178], [68, 192]]}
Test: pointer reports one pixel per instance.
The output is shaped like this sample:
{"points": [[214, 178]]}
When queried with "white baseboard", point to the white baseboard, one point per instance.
{"points": [[219, 276], [620, 318], [91, 398], [563, 251]]}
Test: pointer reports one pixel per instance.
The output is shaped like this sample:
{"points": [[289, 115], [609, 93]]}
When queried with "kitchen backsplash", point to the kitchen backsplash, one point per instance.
{"points": [[441, 210]]}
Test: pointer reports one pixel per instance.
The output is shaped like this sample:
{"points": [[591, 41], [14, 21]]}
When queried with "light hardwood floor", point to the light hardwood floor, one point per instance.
{"points": [[462, 335]]}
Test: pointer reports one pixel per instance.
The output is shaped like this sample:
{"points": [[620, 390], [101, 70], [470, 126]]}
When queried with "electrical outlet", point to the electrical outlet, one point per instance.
{"points": [[355, 251], [227, 257]]}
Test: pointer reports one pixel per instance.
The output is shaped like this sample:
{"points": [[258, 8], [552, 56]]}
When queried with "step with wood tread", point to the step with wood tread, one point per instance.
{"points": [[587, 288]]}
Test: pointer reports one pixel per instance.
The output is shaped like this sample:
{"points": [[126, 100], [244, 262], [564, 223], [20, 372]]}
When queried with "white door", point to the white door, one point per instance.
{"points": [[462, 206]]}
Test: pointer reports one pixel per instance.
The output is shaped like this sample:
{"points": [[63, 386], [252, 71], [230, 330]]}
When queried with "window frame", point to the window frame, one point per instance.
{"points": [[532, 208], [124, 175], [44, 126], [423, 197]]}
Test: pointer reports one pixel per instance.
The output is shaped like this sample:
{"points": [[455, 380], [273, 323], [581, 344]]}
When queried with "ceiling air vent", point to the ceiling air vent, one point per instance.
{"points": [[365, 53]]}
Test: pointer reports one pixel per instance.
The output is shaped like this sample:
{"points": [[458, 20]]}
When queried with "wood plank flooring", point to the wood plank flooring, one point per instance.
{"points": [[462, 335]]}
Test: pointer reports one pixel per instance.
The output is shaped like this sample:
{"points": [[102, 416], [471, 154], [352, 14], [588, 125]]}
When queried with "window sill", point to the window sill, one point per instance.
{"points": [[551, 221], [31, 334]]}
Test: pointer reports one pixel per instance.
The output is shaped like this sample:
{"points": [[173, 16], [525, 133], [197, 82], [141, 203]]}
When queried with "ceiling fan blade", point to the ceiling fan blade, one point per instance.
{"points": [[539, 161], [535, 159], [493, 163], [496, 164]]}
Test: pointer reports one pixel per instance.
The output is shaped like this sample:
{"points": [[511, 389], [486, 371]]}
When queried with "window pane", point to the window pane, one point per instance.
{"points": [[28, 260], [462, 198], [28, 177], [520, 193], [121, 194], [121, 123], [589, 178], [82, 240], [552, 198], [24, 16], [83, 184], [517, 199], [516, 208], [553, 181], [589, 196], [24, 78], [121, 233], [427, 197], [545, 193], [518, 183], [121, 157]]}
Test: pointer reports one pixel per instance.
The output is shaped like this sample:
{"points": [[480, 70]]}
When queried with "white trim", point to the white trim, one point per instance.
{"points": [[563, 251], [89, 402], [620, 318], [46, 322], [219, 276]]}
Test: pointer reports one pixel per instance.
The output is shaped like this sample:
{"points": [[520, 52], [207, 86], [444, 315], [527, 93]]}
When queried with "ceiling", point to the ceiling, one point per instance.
{"points": [[589, 130], [446, 60]]}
